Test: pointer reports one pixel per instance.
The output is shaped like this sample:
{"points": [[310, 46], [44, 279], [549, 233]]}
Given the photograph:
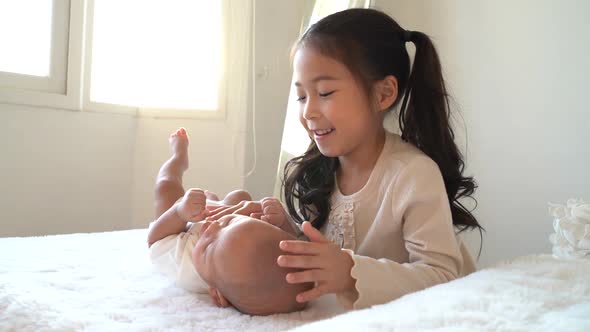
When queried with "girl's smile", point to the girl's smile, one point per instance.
{"points": [[322, 133]]}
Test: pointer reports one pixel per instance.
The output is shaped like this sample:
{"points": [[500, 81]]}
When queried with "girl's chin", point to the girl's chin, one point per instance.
{"points": [[328, 152]]}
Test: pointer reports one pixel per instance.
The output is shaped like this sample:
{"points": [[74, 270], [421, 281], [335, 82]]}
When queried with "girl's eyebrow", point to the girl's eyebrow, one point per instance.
{"points": [[320, 78]]}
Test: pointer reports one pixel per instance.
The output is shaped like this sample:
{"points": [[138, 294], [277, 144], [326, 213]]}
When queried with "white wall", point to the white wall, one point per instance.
{"points": [[518, 71], [63, 172]]}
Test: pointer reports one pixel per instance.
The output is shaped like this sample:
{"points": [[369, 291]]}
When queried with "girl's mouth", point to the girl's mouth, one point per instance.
{"points": [[323, 132]]}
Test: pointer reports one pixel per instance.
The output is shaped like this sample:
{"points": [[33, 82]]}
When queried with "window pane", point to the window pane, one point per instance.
{"points": [[157, 53], [25, 35]]}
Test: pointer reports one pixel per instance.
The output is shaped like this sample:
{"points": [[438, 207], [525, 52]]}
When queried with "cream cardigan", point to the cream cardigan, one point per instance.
{"points": [[397, 228]]}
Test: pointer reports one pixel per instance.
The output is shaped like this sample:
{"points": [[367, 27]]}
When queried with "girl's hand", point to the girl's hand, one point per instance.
{"points": [[272, 212], [325, 264], [244, 208]]}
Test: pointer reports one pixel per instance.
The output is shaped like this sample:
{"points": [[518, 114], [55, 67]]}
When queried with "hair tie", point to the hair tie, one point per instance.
{"points": [[407, 36]]}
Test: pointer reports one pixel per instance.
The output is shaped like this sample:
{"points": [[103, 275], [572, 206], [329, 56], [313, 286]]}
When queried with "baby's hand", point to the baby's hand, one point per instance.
{"points": [[192, 205], [272, 212]]}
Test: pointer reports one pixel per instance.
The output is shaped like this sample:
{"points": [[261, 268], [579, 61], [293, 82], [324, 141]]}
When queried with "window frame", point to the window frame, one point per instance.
{"points": [[75, 94], [60, 88]]}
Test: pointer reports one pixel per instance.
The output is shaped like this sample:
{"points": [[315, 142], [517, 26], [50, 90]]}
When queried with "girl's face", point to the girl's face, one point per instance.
{"points": [[334, 108]]}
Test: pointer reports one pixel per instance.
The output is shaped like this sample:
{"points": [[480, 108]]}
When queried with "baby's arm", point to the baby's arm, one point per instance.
{"points": [[167, 224], [174, 220]]}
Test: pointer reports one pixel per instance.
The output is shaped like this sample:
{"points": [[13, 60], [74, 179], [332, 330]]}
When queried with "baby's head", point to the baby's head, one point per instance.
{"points": [[237, 256]]}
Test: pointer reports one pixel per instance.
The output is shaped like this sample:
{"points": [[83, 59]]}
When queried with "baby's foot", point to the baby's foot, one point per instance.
{"points": [[179, 146], [192, 205]]}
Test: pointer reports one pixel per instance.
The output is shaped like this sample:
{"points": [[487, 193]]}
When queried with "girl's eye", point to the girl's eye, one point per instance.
{"points": [[327, 93], [300, 99]]}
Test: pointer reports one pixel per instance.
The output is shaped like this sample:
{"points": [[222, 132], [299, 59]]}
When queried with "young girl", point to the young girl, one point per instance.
{"points": [[383, 207]]}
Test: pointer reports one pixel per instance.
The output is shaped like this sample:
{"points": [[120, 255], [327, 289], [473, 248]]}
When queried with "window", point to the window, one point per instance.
{"points": [[35, 27], [169, 56], [153, 57], [34, 46]]}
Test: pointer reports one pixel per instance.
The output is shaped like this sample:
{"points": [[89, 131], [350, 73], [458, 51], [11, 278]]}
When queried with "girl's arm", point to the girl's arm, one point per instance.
{"points": [[429, 238], [168, 223]]}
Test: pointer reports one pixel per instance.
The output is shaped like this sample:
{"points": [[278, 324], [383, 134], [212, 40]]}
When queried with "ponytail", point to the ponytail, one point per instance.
{"points": [[424, 120]]}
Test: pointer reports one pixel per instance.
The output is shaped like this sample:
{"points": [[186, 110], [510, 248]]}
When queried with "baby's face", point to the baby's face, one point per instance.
{"points": [[225, 239], [237, 255]]}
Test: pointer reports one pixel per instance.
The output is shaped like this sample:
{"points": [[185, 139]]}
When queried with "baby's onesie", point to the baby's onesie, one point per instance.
{"points": [[172, 257]]}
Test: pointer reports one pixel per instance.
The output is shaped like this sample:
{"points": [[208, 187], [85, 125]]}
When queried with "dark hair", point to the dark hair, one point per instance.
{"points": [[372, 46]]}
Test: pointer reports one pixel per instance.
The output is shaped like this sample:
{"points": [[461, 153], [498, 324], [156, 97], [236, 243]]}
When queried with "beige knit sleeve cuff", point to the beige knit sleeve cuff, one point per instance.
{"points": [[348, 298]]}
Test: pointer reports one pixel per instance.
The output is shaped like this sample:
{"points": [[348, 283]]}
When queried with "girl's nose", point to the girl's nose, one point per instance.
{"points": [[310, 110]]}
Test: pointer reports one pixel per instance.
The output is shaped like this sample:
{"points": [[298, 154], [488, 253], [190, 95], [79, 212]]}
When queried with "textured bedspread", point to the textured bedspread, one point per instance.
{"points": [[536, 293], [104, 282]]}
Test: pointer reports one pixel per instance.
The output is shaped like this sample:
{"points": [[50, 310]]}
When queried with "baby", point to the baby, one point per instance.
{"points": [[233, 258]]}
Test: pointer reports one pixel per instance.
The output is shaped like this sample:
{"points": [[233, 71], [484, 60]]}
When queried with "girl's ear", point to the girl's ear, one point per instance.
{"points": [[386, 92]]}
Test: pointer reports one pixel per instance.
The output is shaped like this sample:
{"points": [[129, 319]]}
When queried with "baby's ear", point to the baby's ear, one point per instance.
{"points": [[218, 298]]}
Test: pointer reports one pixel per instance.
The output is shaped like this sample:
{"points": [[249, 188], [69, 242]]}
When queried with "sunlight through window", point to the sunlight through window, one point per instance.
{"points": [[25, 36], [161, 54]]}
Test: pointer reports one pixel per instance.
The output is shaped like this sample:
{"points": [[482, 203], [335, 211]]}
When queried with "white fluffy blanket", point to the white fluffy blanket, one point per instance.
{"points": [[104, 282], [535, 293]]}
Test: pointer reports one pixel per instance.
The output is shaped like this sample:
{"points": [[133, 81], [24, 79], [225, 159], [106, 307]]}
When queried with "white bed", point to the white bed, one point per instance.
{"points": [[104, 282]]}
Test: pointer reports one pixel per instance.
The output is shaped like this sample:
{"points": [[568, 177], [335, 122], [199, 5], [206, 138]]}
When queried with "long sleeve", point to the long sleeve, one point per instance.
{"points": [[420, 211]]}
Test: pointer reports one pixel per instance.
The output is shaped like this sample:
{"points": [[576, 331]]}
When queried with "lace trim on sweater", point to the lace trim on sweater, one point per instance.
{"points": [[340, 226]]}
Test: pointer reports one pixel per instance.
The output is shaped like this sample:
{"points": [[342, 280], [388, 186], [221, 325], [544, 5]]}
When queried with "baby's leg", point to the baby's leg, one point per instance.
{"points": [[168, 187], [229, 204], [232, 198], [211, 196], [236, 197]]}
